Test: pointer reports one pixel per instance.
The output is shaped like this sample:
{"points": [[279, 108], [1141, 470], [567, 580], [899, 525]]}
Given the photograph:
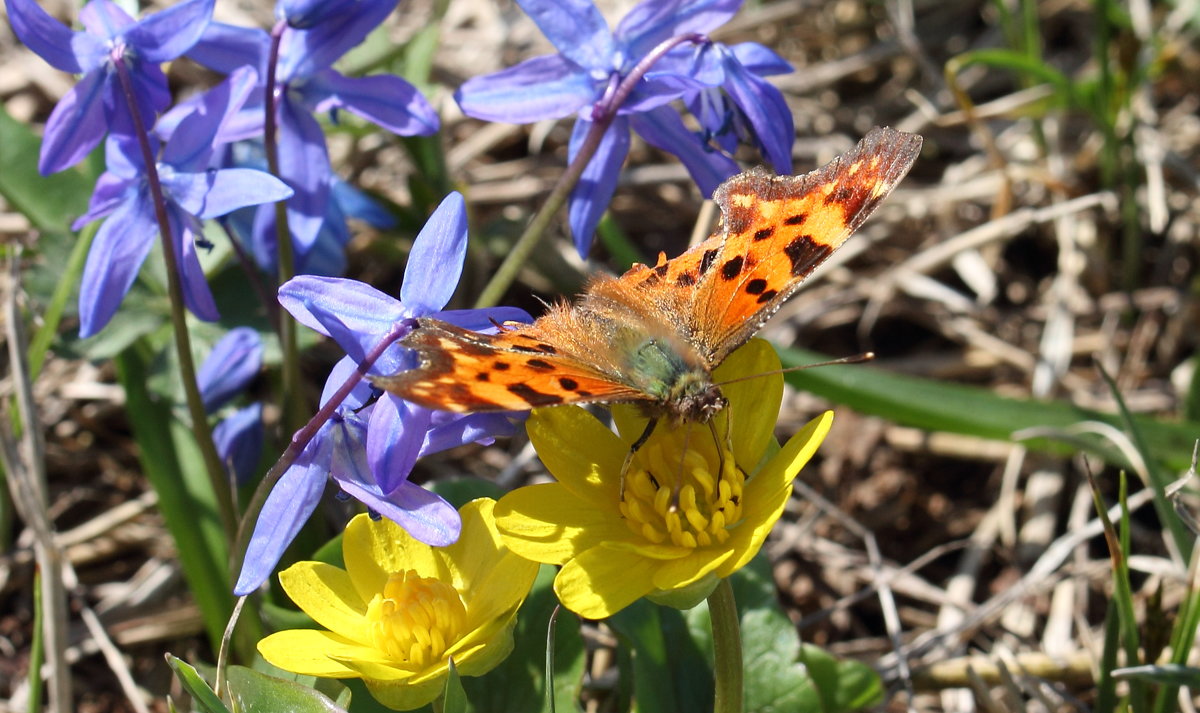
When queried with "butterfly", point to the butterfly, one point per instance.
{"points": [[653, 335]]}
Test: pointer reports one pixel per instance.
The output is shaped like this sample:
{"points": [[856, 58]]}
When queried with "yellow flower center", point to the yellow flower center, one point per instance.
{"points": [[415, 619], [680, 499]]}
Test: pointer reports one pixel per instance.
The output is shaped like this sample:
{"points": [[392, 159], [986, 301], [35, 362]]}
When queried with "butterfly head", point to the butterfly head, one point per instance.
{"points": [[694, 398]]}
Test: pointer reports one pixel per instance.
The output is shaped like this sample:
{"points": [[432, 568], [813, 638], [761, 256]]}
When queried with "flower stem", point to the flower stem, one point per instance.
{"points": [[183, 345], [727, 648], [603, 113], [284, 257], [301, 439]]}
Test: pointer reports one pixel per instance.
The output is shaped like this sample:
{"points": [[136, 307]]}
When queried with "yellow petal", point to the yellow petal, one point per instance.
{"points": [[478, 654], [762, 490], [580, 452], [548, 523], [373, 550], [603, 581], [753, 403], [308, 651], [478, 549], [686, 571], [327, 594], [404, 696]]}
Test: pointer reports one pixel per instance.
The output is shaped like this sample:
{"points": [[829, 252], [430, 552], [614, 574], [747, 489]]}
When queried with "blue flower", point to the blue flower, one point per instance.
{"points": [[370, 444], [96, 105], [313, 39], [239, 441], [192, 193], [233, 362], [592, 61]]}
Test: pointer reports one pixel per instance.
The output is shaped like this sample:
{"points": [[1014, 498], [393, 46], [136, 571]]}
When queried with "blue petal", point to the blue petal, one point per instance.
{"points": [[595, 189], [424, 515], [116, 254], [435, 264], [232, 364], [354, 314], [546, 87], [104, 19], [768, 114], [196, 294], [664, 129], [239, 441], [291, 502], [76, 126], [224, 48], [653, 21], [191, 145], [303, 53], [302, 14], [360, 394], [74, 52], [215, 193], [395, 433], [481, 320], [759, 60], [383, 99], [576, 29], [460, 430], [110, 191], [304, 165], [165, 35], [357, 204], [150, 96]]}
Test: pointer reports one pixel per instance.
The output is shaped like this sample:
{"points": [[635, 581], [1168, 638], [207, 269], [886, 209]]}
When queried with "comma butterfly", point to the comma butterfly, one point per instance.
{"points": [[653, 335]]}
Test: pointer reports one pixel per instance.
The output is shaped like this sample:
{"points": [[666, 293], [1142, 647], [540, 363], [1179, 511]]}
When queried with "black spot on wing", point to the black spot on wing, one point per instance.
{"points": [[548, 348], [756, 286], [540, 365], [568, 383], [763, 234], [661, 270], [767, 296], [501, 365], [482, 376], [707, 260], [685, 279], [732, 267], [804, 254], [532, 396], [797, 219]]}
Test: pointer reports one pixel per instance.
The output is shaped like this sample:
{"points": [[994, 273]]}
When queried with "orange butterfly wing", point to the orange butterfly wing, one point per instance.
{"points": [[775, 231], [513, 370]]}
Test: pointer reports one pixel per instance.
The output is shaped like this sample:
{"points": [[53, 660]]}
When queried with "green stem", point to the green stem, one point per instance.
{"points": [[727, 650], [292, 406], [603, 113], [525, 245], [183, 343]]}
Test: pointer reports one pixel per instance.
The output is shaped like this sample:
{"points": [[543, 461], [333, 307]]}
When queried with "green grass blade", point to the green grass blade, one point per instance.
{"points": [[972, 411], [182, 497]]}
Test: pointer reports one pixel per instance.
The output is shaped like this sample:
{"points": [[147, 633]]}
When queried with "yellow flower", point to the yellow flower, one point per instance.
{"points": [[689, 514], [402, 609]]}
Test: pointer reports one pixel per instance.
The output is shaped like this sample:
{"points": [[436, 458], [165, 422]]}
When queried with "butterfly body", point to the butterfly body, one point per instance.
{"points": [[653, 335]]}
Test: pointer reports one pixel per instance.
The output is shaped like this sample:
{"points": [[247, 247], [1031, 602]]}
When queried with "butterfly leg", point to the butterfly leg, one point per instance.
{"points": [[641, 441]]}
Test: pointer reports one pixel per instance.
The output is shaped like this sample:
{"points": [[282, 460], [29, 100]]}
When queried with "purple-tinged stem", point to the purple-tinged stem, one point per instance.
{"points": [[183, 345], [291, 391], [603, 113], [302, 437]]}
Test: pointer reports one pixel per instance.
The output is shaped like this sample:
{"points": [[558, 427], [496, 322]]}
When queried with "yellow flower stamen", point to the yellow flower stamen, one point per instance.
{"points": [[693, 513], [415, 619]]}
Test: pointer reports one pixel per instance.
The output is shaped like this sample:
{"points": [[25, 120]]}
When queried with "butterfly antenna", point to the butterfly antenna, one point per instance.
{"points": [[856, 359], [641, 441]]}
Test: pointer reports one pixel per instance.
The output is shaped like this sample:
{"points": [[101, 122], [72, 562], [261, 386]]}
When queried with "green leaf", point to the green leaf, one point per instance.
{"points": [[955, 408], [841, 685], [49, 202], [1168, 674], [206, 700], [775, 681], [255, 692], [519, 682], [1019, 63], [454, 698], [184, 496], [670, 671]]}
